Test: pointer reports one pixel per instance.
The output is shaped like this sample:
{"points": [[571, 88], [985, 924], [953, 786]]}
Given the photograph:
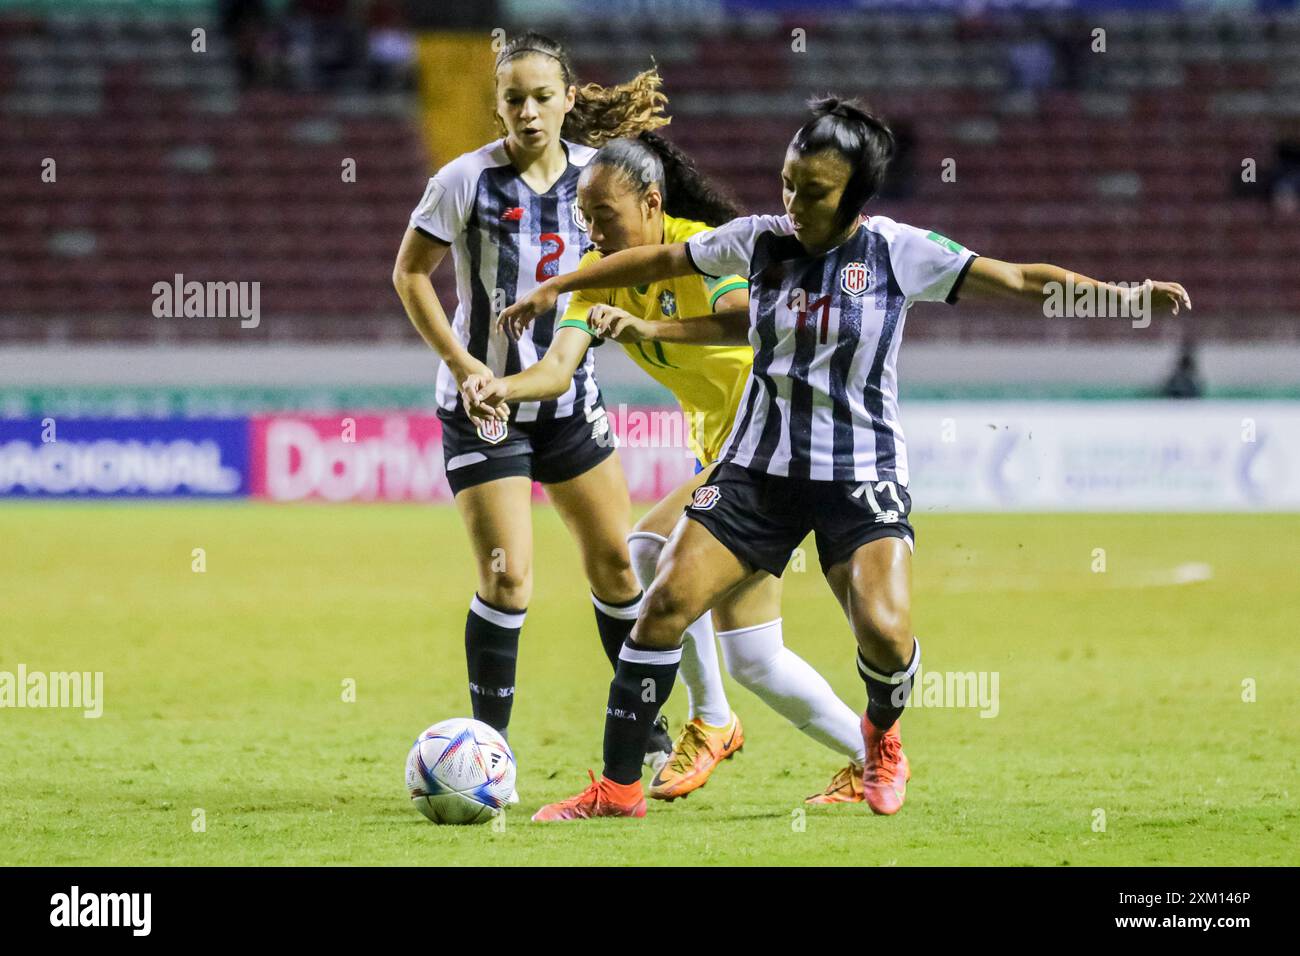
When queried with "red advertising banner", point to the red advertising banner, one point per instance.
{"points": [[398, 457], [348, 458]]}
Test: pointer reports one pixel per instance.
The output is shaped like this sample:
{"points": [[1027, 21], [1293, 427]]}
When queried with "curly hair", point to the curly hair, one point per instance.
{"points": [[600, 113]]}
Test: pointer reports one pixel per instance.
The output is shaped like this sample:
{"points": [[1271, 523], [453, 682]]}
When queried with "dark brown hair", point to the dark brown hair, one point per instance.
{"points": [[600, 113]]}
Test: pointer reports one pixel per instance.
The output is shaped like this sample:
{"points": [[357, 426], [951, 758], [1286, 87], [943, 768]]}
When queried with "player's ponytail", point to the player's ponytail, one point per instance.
{"points": [[600, 113], [650, 160], [604, 113], [864, 141]]}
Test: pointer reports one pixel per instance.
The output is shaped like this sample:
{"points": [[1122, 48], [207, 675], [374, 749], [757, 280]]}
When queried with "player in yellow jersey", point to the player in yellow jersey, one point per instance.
{"points": [[625, 195]]}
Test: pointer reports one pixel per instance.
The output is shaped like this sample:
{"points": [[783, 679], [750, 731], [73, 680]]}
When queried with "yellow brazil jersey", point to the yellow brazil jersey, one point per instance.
{"points": [[706, 380]]}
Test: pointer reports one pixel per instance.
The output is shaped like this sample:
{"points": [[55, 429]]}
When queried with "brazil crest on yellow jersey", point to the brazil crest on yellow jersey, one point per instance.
{"points": [[706, 380]]}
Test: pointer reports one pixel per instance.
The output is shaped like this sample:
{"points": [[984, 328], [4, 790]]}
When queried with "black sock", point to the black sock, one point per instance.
{"points": [[491, 647], [887, 694], [614, 623], [642, 682]]}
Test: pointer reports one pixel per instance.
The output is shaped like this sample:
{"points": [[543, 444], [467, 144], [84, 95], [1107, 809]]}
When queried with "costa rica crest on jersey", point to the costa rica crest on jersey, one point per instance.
{"points": [[493, 431], [706, 496], [855, 277]]}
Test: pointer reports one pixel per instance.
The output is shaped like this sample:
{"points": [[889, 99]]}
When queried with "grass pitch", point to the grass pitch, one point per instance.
{"points": [[1120, 696]]}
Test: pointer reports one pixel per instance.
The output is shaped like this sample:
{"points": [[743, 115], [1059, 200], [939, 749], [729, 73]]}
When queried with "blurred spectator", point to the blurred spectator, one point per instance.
{"points": [[246, 25], [1285, 186], [1185, 380], [1071, 40], [391, 48], [322, 42], [1031, 62]]}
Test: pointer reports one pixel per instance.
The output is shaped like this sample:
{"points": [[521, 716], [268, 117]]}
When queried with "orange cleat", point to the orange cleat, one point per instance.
{"points": [[884, 779], [604, 798], [699, 748], [845, 787]]}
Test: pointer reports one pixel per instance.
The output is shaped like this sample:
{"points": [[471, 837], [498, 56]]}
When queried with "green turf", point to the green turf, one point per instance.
{"points": [[1119, 691]]}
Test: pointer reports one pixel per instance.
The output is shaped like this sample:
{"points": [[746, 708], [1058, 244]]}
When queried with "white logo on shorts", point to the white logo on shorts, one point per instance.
{"points": [[706, 497], [492, 431]]}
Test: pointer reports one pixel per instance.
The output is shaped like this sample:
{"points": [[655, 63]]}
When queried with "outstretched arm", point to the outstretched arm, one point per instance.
{"points": [[729, 326], [993, 278], [487, 397], [631, 267]]}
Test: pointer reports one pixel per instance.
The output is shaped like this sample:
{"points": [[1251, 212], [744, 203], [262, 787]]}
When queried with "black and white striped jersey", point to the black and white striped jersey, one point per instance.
{"points": [[822, 399], [506, 239]]}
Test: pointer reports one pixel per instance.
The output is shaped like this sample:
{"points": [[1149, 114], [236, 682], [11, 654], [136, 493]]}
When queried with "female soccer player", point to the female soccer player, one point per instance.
{"points": [[508, 213], [817, 445], [643, 191]]}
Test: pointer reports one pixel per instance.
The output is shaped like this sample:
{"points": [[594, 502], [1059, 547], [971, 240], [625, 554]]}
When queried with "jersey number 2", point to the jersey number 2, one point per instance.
{"points": [[542, 273]]}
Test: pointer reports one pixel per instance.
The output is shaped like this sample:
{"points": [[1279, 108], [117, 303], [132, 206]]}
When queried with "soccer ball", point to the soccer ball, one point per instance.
{"points": [[460, 771]]}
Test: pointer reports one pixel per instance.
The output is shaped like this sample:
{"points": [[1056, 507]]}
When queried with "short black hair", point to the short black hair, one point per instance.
{"points": [[864, 140]]}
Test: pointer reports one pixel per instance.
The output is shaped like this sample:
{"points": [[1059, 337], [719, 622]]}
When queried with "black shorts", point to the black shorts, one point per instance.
{"points": [[762, 518], [548, 451]]}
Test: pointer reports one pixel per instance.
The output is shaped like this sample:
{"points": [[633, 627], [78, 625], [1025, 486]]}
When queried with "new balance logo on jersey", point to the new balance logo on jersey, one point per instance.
{"points": [[854, 278], [706, 497], [887, 517], [513, 214], [492, 431]]}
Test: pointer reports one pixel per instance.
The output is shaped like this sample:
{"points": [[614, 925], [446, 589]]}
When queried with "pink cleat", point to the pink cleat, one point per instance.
{"points": [[884, 779], [604, 798]]}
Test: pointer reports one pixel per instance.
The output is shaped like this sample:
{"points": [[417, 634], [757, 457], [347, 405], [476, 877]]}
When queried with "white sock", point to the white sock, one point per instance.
{"points": [[758, 658], [699, 670], [702, 675]]}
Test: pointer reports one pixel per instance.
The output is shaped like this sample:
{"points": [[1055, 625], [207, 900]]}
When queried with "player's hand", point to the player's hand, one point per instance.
{"points": [[517, 317], [1166, 294], [466, 366], [609, 322], [484, 398]]}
